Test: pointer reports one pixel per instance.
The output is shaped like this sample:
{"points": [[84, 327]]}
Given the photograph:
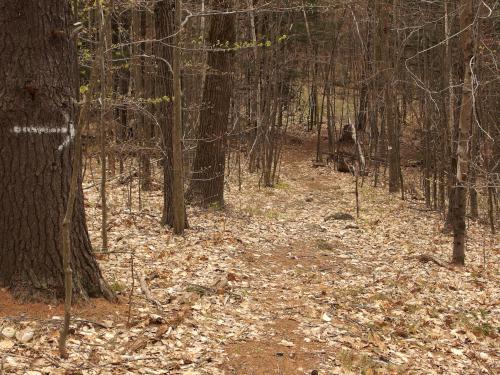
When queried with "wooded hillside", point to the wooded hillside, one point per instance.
{"points": [[249, 187]]}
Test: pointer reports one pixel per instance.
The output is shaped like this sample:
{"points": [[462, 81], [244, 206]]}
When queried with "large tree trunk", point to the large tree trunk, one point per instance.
{"points": [[164, 29], [207, 186], [39, 75]]}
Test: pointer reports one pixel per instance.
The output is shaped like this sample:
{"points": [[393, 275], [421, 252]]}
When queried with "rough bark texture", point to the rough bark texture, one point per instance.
{"points": [[207, 186], [164, 27], [39, 76]]}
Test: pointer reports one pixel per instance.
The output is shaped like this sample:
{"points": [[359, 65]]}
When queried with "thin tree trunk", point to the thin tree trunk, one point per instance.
{"points": [[391, 101], [149, 94], [465, 124], [255, 146], [450, 149], [179, 209], [102, 127]]}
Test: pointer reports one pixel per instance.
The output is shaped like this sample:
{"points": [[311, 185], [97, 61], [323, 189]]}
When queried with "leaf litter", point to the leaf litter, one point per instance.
{"points": [[274, 284]]}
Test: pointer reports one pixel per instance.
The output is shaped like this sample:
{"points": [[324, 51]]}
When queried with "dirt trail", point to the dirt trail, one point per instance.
{"points": [[360, 297], [308, 291]]}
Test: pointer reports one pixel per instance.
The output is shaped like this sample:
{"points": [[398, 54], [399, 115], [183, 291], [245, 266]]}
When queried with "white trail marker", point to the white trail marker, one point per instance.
{"points": [[70, 131]]}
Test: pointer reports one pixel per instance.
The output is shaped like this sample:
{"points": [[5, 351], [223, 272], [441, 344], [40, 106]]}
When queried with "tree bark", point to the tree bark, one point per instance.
{"points": [[38, 111], [103, 125], [165, 29], [207, 186], [391, 101], [465, 125], [450, 148], [179, 208], [393, 148], [147, 135]]}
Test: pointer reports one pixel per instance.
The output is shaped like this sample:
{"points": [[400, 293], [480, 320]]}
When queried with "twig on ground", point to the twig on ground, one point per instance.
{"points": [[147, 292], [426, 258]]}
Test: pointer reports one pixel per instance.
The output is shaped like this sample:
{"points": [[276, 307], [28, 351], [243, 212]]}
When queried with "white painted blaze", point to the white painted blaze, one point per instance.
{"points": [[69, 131]]}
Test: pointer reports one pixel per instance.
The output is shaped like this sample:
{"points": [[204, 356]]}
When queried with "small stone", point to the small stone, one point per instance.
{"points": [[155, 319], [9, 332], [25, 336], [286, 343], [309, 199], [326, 318]]}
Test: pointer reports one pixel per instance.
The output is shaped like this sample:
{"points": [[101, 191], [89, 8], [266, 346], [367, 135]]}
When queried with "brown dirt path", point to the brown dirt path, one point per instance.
{"points": [[357, 291]]}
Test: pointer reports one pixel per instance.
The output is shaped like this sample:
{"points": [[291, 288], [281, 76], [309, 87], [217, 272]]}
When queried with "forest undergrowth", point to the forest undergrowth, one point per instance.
{"points": [[282, 281]]}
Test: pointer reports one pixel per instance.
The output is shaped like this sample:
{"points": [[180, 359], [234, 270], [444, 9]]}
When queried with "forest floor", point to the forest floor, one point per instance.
{"points": [[281, 281]]}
